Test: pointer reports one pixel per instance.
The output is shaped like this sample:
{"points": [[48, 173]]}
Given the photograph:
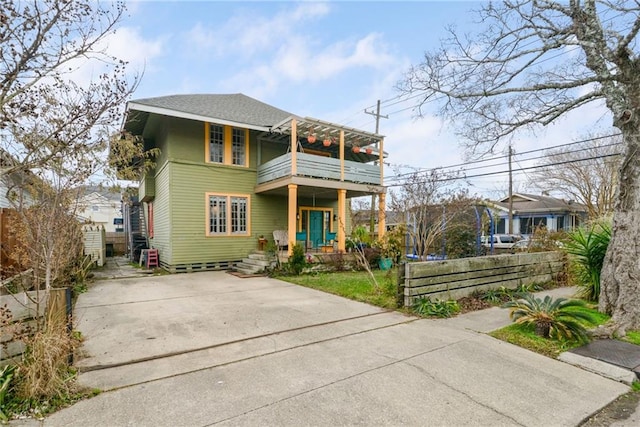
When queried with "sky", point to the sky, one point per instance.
{"points": [[327, 60]]}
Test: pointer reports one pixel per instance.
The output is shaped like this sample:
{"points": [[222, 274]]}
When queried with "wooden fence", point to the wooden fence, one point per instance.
{"points": [[24, 310], [458, 278], [95, 243]]}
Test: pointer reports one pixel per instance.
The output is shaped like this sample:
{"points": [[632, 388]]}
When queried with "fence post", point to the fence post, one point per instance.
{"points": [[401, 279]]}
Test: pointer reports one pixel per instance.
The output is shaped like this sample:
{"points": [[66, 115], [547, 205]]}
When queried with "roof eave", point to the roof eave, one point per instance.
{"points": [[191, 116]]}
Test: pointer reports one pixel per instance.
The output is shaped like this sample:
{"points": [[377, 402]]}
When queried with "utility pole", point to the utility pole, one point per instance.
{"points": [[510, 231], [372, 221]]}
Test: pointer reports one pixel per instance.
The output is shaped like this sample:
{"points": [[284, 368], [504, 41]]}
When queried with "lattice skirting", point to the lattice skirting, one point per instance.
{"points": [[199, 266]]}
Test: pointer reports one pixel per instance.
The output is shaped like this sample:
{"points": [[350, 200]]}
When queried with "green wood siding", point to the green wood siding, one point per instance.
{"points": [[185, 140], [183, 178], [147, 188], [161, 216]]}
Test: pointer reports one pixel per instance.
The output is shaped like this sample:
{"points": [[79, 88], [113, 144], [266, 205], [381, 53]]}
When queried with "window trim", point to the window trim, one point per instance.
{"points": [[228, 197], [227, 136]]}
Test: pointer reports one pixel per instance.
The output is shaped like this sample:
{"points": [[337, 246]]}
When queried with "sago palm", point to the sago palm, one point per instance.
{"points": [[551, 318]]}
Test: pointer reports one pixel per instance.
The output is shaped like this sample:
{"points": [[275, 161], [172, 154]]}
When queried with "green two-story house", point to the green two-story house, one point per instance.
{"points": [[232, 169]]}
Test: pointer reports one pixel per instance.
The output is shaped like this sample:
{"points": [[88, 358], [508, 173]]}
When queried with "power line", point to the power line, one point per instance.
{"points": [[417, 170], [446, 179]]}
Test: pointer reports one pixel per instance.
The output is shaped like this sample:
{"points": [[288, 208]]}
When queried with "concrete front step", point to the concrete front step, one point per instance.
{"points": [[261, 256], [247, 271], [245, 268], [257, 262]]}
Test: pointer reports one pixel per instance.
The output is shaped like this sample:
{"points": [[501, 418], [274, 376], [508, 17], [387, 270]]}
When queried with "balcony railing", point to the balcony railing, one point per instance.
{"points": [[313, 166]]}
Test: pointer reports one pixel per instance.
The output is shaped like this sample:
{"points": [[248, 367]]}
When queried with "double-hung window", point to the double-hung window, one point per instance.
{"points": [[217, 215], [238, 147], [226, 145], [227, 215], [216, 143]]}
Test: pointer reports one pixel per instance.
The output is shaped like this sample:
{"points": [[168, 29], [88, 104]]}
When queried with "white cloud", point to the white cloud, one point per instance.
{"points": [[129, 45], [248, 34], [125, 44], [299, 62]]}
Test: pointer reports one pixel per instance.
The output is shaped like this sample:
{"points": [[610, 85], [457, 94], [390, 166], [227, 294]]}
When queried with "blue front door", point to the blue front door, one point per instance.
{"points": [[315, 228]]}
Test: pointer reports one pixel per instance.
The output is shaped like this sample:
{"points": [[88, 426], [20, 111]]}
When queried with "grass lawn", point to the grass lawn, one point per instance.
{"points": [[355, 285], [525, 336]]}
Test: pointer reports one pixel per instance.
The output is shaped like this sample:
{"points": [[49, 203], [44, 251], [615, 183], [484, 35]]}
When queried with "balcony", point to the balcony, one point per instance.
{"points": [[318, 167]]}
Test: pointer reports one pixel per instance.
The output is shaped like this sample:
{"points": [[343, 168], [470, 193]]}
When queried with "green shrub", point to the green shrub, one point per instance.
{"points": [[551, 318], [438, 308], [496, 296], [587, 250], [6, 377], [297, 260]]}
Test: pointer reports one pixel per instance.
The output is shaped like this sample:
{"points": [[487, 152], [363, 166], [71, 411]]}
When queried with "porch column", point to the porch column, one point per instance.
{"points": [[381, 160], [294, 147], [291, 217], [341, 155], [342, 213], [382, 223]]}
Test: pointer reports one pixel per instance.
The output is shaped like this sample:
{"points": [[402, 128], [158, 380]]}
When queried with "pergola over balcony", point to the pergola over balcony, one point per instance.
{"points": [[308, 127], [349, 171]]}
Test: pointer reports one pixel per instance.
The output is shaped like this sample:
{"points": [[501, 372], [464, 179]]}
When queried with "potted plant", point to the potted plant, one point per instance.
{"points": [[390, 247]]}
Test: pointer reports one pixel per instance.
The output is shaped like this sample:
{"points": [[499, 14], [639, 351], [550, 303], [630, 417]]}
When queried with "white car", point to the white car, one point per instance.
{"points": [[500, 241], [528, 245]]}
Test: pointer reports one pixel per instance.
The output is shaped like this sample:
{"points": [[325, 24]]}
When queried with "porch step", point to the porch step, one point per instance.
{"points": [[255, 263], [259, 257]]}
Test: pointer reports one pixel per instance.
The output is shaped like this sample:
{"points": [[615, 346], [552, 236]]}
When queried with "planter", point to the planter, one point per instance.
{"points": [[385, 264], [326, 142], [311, 139], [356, 149], [369, 150]]}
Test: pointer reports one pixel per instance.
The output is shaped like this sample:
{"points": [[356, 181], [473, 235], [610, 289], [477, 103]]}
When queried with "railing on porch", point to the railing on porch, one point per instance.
{"points": [[313, 166]]}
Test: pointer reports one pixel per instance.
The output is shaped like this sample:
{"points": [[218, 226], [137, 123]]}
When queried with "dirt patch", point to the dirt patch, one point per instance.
{"points": [[468, 304], [619, 410]]}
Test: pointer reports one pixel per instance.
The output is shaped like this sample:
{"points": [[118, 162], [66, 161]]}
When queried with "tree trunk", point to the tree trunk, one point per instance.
{"points": [[620, 277]]}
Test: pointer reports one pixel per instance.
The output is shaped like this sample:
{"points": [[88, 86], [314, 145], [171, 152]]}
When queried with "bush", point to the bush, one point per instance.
{"points": [[551, 318], [588, 249], [297, 260], [437, 307], [391, 244], [6, 377]]}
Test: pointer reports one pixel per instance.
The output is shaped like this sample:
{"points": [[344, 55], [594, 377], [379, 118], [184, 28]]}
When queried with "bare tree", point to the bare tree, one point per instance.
{"points": [[586, 172], [46, 111], [427, 202], [530, 63], [56, 124]]}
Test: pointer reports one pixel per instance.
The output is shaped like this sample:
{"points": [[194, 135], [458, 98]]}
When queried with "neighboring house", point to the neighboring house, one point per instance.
{"points": [[531, 211], [232, 169], [101, 207]]}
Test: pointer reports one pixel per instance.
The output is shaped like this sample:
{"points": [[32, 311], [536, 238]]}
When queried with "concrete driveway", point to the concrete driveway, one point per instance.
{"points": [[209, 348]]}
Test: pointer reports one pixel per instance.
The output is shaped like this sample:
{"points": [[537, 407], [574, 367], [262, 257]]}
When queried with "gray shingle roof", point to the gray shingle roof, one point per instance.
{"points": [[540, 203], [231, 107]]}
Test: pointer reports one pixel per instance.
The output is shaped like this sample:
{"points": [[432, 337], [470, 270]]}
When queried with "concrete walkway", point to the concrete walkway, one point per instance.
{"points": [[209, 348]]}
